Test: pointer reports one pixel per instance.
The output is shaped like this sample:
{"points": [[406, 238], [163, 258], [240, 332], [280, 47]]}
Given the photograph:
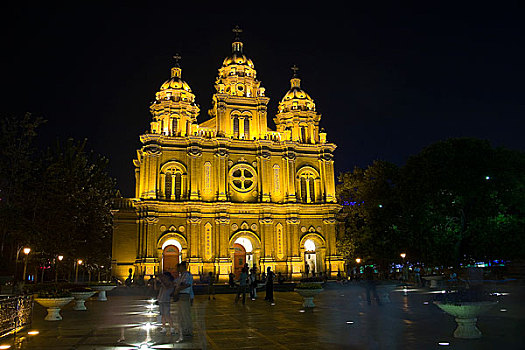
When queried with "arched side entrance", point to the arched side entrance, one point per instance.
{"points": [[313, 250], [310, 261]]}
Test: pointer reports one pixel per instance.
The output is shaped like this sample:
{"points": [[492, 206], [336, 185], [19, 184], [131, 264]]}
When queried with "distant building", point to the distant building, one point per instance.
{"points": [[230, 191]]}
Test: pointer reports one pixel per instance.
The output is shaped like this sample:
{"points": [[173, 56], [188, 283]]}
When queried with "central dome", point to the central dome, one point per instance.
{"points": [[237, 57]]}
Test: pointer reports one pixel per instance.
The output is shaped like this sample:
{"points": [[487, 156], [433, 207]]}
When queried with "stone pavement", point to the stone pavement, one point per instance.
{"points": [[341, 320]]}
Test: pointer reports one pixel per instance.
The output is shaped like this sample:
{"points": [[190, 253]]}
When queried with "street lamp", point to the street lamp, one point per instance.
{"points": [[403, 255], [358, 260], [26, 251], [79, 262], [60, 258]]}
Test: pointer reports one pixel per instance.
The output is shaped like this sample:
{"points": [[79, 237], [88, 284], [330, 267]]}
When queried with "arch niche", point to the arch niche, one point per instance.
{"points": [[245, 247], [172, 248], [312, 247]]}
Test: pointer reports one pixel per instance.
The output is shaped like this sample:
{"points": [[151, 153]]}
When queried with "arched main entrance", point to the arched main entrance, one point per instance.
{"points": [[170, 259], [239, 259]]}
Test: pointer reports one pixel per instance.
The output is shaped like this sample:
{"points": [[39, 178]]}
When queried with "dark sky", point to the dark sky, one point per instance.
{"points": [[387, 79]]}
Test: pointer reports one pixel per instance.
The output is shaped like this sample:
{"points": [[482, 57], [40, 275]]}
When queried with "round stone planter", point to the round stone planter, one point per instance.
{"points": [[80, 299], [102, 291], [308, 295], [53, 306], [466, 314], [433, 280]]}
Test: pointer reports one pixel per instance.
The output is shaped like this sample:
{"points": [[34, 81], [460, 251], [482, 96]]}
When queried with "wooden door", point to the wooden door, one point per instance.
{"points": [[170, 260]]}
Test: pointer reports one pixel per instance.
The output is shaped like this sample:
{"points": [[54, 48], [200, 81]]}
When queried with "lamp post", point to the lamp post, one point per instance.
{"points": [[404, 276], [26, 251], [79, 262], [59, 258]]}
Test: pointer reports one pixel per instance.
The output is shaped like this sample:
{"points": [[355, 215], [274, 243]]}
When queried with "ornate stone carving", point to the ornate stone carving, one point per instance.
{"points": [[329, 221], [151, 219], [194, 220], [162, 228], [303, 229], [266, 220], [244, 226], [235, 227], [194, 151], [221, 152], [222, 220], [181, 228], [293, 221], [153, 149], [254, 227]]}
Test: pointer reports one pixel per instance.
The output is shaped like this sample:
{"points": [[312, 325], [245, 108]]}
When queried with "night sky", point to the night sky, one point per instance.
{"points": [[388, 80]]}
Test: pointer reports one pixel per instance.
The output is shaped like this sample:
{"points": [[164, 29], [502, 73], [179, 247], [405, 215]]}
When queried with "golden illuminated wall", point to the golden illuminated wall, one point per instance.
{"points": [[204, 186]]}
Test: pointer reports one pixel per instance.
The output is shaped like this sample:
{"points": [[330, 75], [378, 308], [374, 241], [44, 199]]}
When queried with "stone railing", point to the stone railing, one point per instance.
{"points": [[207, 132], [15, 313], [274, 136]]}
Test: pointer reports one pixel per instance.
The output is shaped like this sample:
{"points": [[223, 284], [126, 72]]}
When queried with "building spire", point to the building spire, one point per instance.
{"points": [[296, 82], [176, 71], [237, 43]]}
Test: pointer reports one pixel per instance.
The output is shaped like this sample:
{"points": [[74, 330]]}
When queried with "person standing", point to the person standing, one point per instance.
{"points": [[184, 290], [211, 286], [307, 269], [242, 285], [253, 284], [164, 298], [269, 285]]}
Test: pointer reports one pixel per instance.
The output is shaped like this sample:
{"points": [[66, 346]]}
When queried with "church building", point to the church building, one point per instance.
{"points": [[230, 190]]}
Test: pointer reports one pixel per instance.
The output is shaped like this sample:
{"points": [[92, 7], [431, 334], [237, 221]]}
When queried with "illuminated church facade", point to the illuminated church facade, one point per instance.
{"points": [[230, 191]]}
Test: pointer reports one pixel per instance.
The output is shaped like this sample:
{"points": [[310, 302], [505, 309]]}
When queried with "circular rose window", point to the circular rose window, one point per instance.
{"points": [[243, 177]]}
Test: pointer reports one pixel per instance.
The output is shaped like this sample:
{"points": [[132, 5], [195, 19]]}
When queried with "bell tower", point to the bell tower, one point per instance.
{"points": [[239, 105], [296, 117], [174, 110]]}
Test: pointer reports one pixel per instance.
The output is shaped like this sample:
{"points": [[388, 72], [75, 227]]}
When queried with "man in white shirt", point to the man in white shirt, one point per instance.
{"points": [[185, 290]]}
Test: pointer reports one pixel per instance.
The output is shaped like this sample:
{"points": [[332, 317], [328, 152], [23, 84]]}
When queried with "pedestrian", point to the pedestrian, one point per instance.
{"points": [[164, 297], [370, 285], [184, 289], [231, 281], [269, 285], [280, 278], [211, 286], [307, 269], [243, 279], [417, 276], [253, 284]]}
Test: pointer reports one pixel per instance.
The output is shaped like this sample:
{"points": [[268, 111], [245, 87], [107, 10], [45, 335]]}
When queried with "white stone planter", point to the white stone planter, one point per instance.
{"points": [[102, 291], [433, 280], [466, 314], [80, 299], [308, 295], [53, 306]]}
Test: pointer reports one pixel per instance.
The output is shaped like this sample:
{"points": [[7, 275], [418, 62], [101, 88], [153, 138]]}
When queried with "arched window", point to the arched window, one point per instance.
{"points": [[173, 181], [246, 128], [236, 127], [308, 186], [175, 126]]}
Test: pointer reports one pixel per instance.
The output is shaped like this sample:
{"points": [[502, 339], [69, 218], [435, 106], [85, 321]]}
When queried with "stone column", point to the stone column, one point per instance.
{"points": [[194, 154], [290, 168], [222, 173], [222, 252]]}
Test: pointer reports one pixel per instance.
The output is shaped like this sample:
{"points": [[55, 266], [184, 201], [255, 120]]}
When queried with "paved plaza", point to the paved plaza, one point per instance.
{"points": [[342, 319]]}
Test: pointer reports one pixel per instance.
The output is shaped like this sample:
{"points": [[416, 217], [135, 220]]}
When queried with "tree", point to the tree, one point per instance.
{"points": [[461, 198], [17, 171], [371, 213], [74, 204]]}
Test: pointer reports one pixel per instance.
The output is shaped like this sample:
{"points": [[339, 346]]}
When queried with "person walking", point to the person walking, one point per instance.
{"points": [[370, 285], [243, 279], [269, 284], [164, 298], [184, 291]]}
